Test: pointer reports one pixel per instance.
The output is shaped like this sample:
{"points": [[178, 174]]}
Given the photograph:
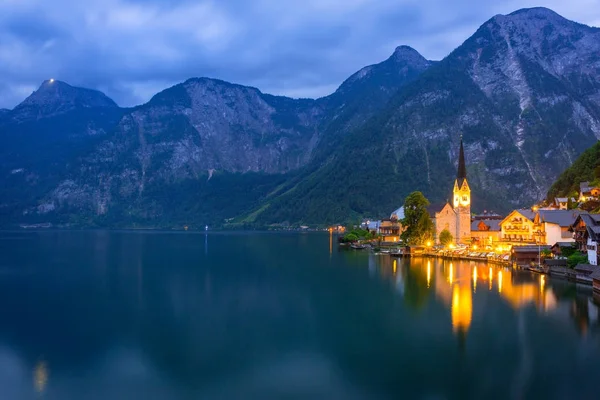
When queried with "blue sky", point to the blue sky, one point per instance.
{"points": [[131, 49]]}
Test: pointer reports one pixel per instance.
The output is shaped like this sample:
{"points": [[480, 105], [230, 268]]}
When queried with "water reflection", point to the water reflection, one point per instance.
{"points": [[40, 376], [459, 285]]}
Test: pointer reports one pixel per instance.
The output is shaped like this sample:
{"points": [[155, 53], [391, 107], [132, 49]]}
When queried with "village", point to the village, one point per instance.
{"points": [[558, 238]]}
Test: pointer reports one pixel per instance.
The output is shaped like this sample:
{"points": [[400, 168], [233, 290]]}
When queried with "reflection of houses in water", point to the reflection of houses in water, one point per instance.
{"points": [[462, 279], [457, 283]]}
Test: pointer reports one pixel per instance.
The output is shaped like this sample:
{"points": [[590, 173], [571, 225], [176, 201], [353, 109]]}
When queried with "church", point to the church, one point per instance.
{"points": [[456, 217]]}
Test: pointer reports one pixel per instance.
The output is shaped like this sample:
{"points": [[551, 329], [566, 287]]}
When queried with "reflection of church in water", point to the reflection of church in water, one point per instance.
{"points": [[456, 283]]}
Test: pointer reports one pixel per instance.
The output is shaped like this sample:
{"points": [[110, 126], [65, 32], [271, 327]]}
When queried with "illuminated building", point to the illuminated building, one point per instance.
{"points": [[456, 217]]}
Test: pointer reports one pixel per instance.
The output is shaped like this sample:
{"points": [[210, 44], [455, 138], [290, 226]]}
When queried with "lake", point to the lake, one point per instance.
{"points": [[152, 315]]}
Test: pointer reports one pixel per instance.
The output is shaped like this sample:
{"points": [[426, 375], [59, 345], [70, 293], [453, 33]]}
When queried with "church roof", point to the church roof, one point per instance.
{"points": [[462, 168]]}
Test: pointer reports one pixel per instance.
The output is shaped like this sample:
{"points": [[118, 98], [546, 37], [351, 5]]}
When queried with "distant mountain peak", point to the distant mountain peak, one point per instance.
{"points": [[535, 17], [539, 12], [57, 97]]}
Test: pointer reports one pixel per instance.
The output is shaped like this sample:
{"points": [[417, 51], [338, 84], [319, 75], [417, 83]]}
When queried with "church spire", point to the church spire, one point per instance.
{"points": [[462, 169]]}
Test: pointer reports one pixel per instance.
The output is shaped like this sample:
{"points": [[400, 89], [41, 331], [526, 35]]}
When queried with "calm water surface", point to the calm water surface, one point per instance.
{"points": [[127, 315]]}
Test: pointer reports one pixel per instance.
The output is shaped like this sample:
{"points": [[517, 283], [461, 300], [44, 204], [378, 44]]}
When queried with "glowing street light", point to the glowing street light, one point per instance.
{"points": [[51, 80]]}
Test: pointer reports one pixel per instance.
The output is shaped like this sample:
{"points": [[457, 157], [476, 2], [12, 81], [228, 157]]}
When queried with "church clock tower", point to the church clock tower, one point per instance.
{"points": [[462, 200]]}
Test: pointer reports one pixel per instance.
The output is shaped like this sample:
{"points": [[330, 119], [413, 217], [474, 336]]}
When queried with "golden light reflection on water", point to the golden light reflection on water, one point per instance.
{"points": [[40, 376], [499, 281], [457, 286], [462, 307], [428, 273]]}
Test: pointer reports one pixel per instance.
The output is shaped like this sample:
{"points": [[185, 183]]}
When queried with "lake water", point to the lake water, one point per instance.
{"points": [[130, 315]]}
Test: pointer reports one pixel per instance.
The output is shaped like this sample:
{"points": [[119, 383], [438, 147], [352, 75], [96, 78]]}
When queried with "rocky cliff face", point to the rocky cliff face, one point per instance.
{"points": [[523, 90], [195, 139]]}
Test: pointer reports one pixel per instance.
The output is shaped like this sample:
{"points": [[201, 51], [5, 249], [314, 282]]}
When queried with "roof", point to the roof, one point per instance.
{"points": [[587, 268], [399, 213], [564, 244], [461, 174], [435, 208], [563, 218], [494, 224], [526, 249], [373, 224], [596, 275], [584, 186]]}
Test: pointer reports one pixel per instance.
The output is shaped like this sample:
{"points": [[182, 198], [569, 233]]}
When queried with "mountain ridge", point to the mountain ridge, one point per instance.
{"points": [[524, 90]]}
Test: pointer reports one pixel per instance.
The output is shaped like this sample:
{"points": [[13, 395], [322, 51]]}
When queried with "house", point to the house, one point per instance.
{"points": [[586, 233], [562, 203], [587, 192], [538, 226], [527, 255], [390, 230], [557, 248], [518, 227], [583, 273], [555, 225], [485, 232], [456, 217]]}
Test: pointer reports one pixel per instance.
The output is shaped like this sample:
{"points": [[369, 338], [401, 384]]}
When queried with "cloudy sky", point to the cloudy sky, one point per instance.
{"points": [[131, 49]]}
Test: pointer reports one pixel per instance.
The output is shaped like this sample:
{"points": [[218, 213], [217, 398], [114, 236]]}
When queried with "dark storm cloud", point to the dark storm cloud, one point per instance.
{"points": [[133, 49]]}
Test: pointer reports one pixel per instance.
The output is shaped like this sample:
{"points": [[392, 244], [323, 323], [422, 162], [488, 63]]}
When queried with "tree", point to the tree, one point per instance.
{"points": [[417, 224], [350, 237], [446, 237], [575, 259], [546, 253]]}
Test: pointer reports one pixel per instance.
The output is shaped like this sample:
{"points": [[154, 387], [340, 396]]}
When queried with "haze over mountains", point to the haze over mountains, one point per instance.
{"points": [[524, 91]]}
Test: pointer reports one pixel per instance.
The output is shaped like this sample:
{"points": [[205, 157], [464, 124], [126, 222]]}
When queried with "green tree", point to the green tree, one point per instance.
{"points": [[350, 237], [546, 253], [417, 224], [446, 237], [576, 258]]}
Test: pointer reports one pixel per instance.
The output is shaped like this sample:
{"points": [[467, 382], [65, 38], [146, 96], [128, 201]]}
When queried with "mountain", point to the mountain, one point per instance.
{"points": [[201, 151], [524, 91], [584, 169], [55, 97], [365, 93], [42, 138]]}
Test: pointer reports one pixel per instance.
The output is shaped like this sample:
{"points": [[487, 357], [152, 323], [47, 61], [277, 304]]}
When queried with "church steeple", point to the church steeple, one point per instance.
{"points": [[462, 168], [462, 192], [462, 199]]}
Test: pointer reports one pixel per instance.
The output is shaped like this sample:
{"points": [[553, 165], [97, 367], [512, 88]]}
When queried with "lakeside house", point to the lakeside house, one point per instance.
{"points": [[587, 192], [525, 226], [557, 248], [485, 231], [527, 255], [586, 233]]}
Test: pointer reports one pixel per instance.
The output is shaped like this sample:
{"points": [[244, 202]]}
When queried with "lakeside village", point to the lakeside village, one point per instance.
{"points": [[559, 239]]}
